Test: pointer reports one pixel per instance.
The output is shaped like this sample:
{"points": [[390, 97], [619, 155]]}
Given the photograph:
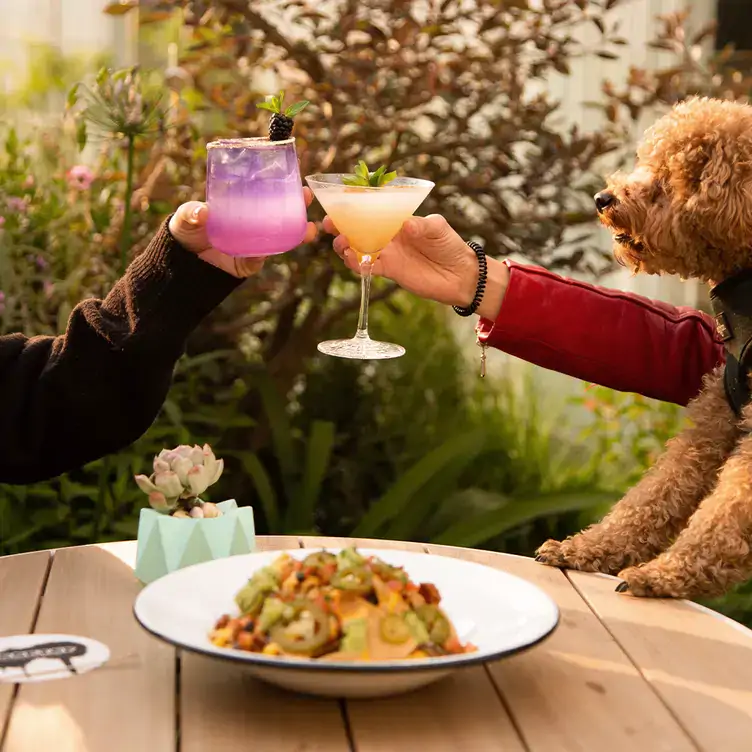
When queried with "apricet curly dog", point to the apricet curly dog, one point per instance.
{"points": [[685, 530]]}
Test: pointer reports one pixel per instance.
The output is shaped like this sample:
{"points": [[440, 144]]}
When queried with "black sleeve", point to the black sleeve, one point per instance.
{"points": [[68, 400]]}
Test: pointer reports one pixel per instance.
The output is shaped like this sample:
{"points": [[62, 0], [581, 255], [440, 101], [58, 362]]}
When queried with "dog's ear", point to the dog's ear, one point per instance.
{"points": [[716, 184]]}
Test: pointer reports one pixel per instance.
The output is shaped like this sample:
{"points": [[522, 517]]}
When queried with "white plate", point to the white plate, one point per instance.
{"points": [[499, 613]]}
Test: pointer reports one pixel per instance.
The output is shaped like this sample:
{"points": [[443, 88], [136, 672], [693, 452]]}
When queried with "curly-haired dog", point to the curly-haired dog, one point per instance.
{"points": [[686, 529]]}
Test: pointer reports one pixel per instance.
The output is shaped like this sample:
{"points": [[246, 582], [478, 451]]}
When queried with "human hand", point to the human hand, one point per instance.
{"points": [[428, 258], [188, 227]]}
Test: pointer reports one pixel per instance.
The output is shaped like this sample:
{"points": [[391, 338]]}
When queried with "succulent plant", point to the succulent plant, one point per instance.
{"points": [[180, 476]]}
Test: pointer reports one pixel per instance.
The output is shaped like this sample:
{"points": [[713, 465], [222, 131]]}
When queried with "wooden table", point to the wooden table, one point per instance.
{"points": [[618, 674]]}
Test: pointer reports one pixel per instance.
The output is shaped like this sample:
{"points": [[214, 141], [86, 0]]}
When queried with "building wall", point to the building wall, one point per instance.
{"points": [[75, 26]]}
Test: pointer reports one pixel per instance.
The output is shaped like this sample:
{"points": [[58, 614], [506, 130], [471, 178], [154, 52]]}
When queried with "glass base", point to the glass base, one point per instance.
{"points": [[361, 348]]}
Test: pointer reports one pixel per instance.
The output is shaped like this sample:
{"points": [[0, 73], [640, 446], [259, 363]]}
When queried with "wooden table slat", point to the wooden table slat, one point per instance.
{"points": [[22, 579], [459, 713], [221, 703], [700, 665], [577, 691], [224, 709], [123, 707], [619, 674]]}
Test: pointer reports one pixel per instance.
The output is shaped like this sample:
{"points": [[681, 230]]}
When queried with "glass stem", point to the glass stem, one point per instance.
{"points": [[366, 266]]}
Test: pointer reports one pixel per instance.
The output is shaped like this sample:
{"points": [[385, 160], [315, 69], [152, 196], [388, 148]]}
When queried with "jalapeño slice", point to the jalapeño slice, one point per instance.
{"points": [[357, 580], [436, 623], [393, 629], [306, 632]]}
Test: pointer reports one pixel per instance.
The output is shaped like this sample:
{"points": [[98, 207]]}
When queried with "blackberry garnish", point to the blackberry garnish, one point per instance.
{"points": [[281, 124]]}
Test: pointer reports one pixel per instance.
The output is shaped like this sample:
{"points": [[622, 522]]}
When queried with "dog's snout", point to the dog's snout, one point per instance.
{"points": [[603, 200]]}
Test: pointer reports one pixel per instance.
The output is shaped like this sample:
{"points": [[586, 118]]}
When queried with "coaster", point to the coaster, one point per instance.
{"points": [[42, 657]]}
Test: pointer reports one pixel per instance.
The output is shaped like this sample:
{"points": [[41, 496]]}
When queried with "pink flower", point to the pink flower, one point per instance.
{"points": [[41, 262], [29, 182], [48, 288], [16, 204], [80, 177], [2, 221], [2, 302]]}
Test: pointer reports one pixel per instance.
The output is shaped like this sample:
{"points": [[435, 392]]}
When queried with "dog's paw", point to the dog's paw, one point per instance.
{"points": [[573, 553], [652, 580], [549, 554]]}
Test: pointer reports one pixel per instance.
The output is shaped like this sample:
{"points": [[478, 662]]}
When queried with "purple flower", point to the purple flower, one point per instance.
{"points": [[80, 177], [41, 262]]}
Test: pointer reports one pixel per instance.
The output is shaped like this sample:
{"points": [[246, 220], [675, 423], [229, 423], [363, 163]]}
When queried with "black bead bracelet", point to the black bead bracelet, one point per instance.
{"points": [[482, 279]]}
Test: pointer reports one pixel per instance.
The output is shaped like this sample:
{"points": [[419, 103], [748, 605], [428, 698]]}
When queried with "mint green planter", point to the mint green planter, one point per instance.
{"points": [[168, 543]]}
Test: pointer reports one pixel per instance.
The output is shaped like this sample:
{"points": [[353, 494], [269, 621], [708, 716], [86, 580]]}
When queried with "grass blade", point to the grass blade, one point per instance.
{"points": [[396, 499], [264, 489], [484, 527], [279, 424], [428, 500], [300, 514]]}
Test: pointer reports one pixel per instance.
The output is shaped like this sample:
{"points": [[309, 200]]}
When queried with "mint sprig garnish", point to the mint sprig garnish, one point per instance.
{"points": [[274, 105], [365, 178]]}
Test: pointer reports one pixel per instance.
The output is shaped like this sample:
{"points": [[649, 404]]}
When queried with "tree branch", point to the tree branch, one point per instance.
{"points": [[244, 322], [310, 62]]}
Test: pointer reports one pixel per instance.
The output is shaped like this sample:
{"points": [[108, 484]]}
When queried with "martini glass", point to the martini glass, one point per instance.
{"points": [[369, 218], [255, 196]]}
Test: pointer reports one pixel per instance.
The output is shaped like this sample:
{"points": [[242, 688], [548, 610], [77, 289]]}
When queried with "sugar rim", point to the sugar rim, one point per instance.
{"points": [[261, 142]]}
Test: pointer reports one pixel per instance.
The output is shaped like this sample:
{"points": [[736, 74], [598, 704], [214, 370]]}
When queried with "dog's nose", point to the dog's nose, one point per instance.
{"points": [[603, 200]]}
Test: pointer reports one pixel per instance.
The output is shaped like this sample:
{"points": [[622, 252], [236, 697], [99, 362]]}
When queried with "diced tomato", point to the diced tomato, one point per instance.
{"points": [[430, 593], [453, 645], [395, 585], [222, 622]]}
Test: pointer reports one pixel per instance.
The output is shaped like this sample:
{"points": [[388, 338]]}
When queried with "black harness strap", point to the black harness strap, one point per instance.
{"points": [[732, 308]]}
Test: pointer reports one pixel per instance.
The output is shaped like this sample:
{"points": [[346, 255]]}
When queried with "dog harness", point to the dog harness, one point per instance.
{"points": [[732, 307]]}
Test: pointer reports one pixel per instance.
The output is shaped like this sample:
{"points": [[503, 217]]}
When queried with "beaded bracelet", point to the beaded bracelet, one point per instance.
{"points": [[482, 279]]}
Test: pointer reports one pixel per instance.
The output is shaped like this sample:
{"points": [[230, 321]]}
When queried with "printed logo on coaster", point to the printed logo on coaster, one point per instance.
{"points": [[41, 657]]}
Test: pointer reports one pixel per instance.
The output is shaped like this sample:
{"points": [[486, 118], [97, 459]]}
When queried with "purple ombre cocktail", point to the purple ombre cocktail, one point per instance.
{"points": [[255, 196]]}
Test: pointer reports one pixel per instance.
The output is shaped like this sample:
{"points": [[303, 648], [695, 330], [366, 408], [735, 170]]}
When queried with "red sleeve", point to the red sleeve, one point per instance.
{"points": [[606, 337]]}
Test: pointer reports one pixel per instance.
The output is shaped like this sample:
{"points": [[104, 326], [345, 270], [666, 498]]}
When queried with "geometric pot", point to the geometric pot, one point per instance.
{"points": [[168, 543]]}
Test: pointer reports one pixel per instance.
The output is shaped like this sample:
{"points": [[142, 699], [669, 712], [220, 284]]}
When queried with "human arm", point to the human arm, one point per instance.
{"points": [[68, 400], [607, 337]]}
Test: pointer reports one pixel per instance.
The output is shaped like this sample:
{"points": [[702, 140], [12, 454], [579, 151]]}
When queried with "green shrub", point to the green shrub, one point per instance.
{"points": [[413, 448]]}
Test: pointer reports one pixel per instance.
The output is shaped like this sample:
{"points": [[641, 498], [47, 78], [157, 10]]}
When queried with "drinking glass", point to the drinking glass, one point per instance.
{"points": [[255, 196], [369, 218]]}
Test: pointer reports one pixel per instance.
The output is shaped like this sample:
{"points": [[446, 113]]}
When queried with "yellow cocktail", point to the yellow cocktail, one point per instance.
{"points": [[369, 217]]}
